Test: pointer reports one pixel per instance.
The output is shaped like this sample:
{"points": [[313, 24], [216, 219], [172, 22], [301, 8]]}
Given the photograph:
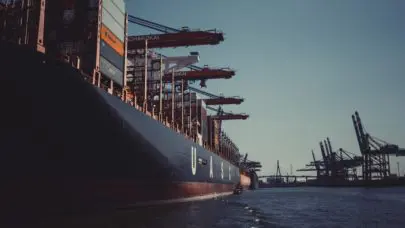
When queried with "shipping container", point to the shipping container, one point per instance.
{"points": [[110, 71], [120, 4], [111, 55], [22, 22], [71, 28], [115, 12], [115, 27], [112, 40]]}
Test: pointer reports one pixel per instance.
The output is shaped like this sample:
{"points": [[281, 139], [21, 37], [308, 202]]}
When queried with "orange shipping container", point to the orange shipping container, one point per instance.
{"points": [[112, 40]]}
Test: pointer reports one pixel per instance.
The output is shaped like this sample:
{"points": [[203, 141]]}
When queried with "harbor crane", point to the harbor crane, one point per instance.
{"points": [[335, 165], [202, 75], [227, 115], [171, 37], [251, 165], [188, 40], [375, 152], [217, 100]]}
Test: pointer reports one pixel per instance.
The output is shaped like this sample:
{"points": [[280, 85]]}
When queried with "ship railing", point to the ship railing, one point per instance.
{"points": [[165, 121]]}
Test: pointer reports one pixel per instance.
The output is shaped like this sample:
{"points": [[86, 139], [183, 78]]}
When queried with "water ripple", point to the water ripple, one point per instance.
{"points": [[293, 207]]}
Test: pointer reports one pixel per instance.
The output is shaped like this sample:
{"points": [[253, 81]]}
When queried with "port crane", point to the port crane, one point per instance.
{"points": [[251, 165], [187, 40], [193, 67], [375, 152], [335, 165], [217, 100], [220, 142], [221, 115], [202, 75], [171, 37]]}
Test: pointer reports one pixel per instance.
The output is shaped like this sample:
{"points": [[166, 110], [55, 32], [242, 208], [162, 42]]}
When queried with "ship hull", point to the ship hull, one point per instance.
{"points": [[254, 180], [68, 144]]}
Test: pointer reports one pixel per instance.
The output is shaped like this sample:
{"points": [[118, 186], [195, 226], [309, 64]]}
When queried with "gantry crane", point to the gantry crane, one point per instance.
{"points": [[217, 138], [202, 75], [335, 165], [171, 37], [217, 100], [375, 152], [138, 51], [182, 37], [221, 115], [250, 165], [191, 67]]}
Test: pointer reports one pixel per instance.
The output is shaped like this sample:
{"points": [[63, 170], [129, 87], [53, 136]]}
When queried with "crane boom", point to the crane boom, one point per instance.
{"points": [[151, 25], [200, 74], [226, 115], [215, 99], [161, 28]]}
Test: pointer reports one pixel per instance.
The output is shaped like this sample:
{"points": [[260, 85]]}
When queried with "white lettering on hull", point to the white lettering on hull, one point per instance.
{"points": [[222, 170], [211, 168], [193, 160]]}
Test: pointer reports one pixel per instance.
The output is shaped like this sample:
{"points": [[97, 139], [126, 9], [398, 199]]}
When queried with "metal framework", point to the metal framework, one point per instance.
{"points": [[172, 37], [375, 152], [337, 165], [22, 22], [342, 165]]}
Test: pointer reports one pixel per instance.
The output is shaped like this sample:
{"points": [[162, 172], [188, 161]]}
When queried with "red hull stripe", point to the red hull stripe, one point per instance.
{"points": [[134, 193], [54, 195]]}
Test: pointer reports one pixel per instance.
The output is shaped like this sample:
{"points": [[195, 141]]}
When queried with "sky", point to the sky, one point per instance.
{"points": [[303, 67]]}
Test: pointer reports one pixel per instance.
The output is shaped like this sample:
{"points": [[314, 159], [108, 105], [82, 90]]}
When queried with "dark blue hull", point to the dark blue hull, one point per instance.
{"points": [[67, 145], [172, 150]]}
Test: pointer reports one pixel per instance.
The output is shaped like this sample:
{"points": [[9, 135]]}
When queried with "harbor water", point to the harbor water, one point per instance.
{"points": [[277, 207]]}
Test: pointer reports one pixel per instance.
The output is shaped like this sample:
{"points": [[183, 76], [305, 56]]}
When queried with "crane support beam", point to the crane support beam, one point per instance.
{"points": [[163, 29], [181, 39], [217, 100], [226, 115], [223, 101], [231, 117], [200, 75]]}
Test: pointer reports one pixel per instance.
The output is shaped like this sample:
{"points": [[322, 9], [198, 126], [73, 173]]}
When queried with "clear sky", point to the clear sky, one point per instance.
{"points": [[303, 66]]}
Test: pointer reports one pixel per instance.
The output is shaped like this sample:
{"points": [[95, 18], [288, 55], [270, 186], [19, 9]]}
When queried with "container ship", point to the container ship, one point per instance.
{"points": [[94, 118]]}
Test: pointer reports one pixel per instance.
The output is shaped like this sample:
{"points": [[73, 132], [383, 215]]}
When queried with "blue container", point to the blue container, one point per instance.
{"points": [[110, 71], [111, 55]]}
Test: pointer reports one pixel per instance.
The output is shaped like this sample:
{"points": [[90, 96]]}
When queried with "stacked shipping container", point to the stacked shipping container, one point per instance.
{"points": [[71, 28], [72, 31], [112, 43], [21, 22]]}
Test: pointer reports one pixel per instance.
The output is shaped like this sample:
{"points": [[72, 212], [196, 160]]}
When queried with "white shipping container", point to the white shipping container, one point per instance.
{"points": [[120, 4], [116, 13], [113, 25]]}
